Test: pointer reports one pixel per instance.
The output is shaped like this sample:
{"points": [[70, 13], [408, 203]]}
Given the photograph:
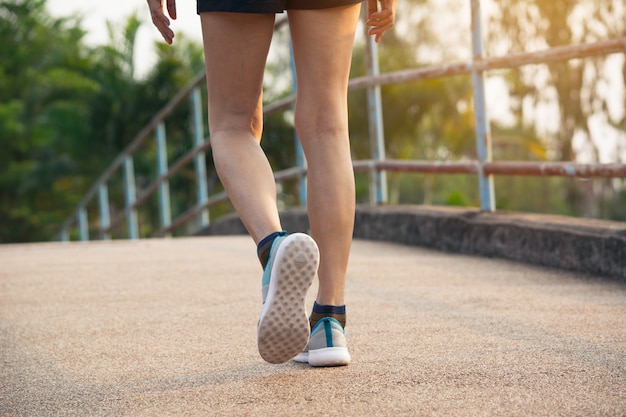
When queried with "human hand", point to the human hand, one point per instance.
{"points": [[380, 21], [160, 20]]}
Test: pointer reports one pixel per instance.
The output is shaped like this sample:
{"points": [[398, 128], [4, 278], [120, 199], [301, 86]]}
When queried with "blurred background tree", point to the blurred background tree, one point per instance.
{"points": [[67, 109], [581, 121]]}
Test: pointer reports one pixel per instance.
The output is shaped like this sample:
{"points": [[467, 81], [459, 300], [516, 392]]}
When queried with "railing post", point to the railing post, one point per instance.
{"points": [[378, 181], [83, 225], [199, 159], [483, 134], [164, 185], [65, 236], [130, 197], [105, 217], [300, 159]]}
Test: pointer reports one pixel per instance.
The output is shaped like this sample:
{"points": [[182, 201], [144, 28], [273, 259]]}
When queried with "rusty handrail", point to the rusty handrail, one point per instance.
{"points": [[525, 168]]}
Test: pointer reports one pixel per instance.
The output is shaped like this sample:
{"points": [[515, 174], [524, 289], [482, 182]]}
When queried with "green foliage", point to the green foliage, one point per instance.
{"points": [[426, 120], [66, 111], [41, 84]]}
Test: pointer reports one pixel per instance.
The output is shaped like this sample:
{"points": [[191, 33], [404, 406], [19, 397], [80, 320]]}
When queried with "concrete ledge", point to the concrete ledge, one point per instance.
{"points": [[585, 245]]}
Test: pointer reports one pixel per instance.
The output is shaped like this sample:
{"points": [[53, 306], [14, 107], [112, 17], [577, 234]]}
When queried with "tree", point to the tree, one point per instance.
{"points": [[66, 110], [426, 120], [573, 88], [41, 88]]}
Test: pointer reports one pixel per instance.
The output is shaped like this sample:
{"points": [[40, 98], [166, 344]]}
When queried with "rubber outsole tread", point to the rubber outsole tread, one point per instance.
{"points": [[284, 326]]}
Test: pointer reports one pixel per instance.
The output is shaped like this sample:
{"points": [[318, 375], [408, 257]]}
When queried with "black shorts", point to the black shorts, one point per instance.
{"points": [[268, 6]]}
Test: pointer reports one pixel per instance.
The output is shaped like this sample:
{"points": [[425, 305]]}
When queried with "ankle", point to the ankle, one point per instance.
{"points": [[264, 247], [323, 310]]}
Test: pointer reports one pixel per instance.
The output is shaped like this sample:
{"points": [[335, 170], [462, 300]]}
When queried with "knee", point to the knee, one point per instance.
{"points": [[320, 124], [236, 122]]}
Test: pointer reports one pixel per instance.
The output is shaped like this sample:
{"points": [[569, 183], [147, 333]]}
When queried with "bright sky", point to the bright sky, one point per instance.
{"points": [[95, 14]]}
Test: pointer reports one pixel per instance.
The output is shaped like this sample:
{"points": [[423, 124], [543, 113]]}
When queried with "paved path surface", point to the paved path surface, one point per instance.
{"points": [[167, 328]]}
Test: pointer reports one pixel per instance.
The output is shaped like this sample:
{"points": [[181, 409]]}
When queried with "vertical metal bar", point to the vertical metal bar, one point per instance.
{"points": [[83, 225], [199, 160], [300, 159], [378, 186], [130, 196], [164, 186], [105, 217], [65, 236], [483, 134]]}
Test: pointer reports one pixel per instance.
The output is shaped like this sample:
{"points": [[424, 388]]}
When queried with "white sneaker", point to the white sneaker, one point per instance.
{"points": [[284, 329]]}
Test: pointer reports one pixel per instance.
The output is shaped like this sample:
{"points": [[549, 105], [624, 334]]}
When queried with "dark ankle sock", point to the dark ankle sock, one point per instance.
{"points": [[320, 311], [264, 247]]}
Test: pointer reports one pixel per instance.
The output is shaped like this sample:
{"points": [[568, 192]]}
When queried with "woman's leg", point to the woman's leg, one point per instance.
{"points": [[235, 49], [322, 43]]}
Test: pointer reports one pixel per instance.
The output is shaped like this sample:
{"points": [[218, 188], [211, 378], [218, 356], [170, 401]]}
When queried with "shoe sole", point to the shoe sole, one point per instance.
{"points": [[332, 356], [284, 326], [302, 357]]}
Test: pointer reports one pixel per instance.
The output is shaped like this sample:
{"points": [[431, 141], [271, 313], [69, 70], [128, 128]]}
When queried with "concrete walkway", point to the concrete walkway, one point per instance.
{"points": [[167, 328]]}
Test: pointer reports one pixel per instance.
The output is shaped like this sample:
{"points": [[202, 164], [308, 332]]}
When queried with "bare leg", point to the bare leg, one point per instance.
{"points": [[235, 48], [322, 43]]}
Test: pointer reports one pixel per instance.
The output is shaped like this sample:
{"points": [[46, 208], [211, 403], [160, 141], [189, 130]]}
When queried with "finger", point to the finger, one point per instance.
{"points": [[372, 7], [160, 20], [383, 13], [389, 5], [382, 28], [171, 8], [380, 22], [388, 10], [380, 18], [166, 33], [378, 32]]}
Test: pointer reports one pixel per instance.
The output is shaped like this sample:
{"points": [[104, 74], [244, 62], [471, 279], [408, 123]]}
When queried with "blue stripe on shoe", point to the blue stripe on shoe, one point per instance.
{"points": [[329, 333], [265, 280], [330, 348]]}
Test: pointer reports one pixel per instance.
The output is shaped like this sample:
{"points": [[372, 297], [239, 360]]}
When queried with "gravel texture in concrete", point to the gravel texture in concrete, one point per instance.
{"points": [[168, 328]]}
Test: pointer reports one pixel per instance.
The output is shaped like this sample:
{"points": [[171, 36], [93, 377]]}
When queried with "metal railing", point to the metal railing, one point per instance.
{"points": [[376, 166]]}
